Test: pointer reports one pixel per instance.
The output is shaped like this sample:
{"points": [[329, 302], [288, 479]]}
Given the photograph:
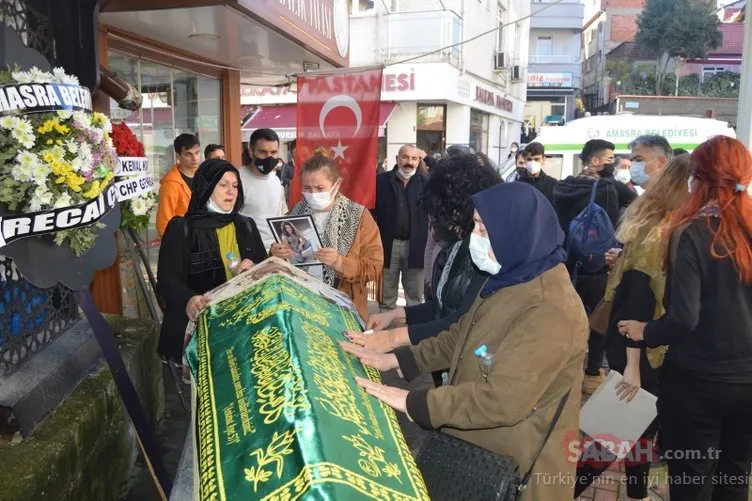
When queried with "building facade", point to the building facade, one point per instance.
{"points": [[608, 24], [554, 74], [470, 94]]}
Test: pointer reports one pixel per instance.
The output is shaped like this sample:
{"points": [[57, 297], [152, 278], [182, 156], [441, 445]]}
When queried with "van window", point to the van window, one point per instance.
{"points": [[554, 164], [577, 166]]}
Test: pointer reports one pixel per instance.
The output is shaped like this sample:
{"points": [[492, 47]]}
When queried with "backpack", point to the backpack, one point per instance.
{"points": [[591, 235]]}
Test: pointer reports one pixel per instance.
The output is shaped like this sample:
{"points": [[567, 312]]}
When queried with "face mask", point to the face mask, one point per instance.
{"points": [[406, 174], [265, 165], [638, 174], [514, 149], [479, 247], [212, 207], [533, 167], [622, 175], [319, 201]]}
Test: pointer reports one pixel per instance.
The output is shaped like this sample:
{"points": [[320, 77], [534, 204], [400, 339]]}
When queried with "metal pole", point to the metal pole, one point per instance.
{"points": [[744, 112]]}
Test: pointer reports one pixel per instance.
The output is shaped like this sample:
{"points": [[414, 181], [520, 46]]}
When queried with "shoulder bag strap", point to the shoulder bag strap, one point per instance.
{"points": [[554, 420], [593, 192]]}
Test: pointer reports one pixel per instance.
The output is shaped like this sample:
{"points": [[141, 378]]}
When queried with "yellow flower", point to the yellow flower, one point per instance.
{"points": [[60, 180], [48, 126], [62, 129], [58, 142], [49, 141]]}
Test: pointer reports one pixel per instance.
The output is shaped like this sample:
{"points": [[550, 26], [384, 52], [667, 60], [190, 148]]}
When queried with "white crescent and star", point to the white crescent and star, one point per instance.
{"points": [[340, 101]]}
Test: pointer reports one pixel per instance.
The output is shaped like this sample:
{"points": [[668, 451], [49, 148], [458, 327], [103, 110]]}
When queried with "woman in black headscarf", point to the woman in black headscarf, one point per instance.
{"points": [[195, 254]]}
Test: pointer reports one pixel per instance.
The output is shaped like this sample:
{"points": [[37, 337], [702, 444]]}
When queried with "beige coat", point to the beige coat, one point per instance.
{"points": [[538, 333]]}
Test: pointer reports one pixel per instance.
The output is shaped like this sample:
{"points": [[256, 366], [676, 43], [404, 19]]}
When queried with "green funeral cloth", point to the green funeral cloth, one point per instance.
{"points": [[278, 413]]}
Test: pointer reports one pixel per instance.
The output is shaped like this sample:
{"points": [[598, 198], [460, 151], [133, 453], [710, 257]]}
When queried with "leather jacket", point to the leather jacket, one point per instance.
{"points": [[461, 275]]}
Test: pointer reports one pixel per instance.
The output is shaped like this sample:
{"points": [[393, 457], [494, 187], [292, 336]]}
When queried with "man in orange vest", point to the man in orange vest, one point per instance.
{"points": [[175, 187]]}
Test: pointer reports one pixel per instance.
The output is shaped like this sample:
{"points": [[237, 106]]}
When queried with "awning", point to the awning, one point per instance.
{"points": [[282, 119]]}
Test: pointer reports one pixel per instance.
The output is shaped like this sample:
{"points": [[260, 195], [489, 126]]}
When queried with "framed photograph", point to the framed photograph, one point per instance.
{"points": [[299, 232]]}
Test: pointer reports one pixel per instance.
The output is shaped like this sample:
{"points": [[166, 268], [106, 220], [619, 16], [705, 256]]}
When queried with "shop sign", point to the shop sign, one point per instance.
{"points": [[322, 26], [563, 80], [490, 98]]}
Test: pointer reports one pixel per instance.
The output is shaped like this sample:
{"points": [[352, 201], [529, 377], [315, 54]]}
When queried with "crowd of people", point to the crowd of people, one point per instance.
{"points": [[641, 265]]}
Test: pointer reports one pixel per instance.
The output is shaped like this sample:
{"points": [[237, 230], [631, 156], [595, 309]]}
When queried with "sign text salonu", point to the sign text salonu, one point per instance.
{"points": [[491, 99]]}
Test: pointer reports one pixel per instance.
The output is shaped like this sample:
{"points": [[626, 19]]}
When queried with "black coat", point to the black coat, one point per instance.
{"points": [[384, 214], [462, 288], [543, 183], [176, 287]]}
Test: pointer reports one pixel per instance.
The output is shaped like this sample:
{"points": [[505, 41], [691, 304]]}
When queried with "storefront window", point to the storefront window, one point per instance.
{"points": [[174, 102], [479, 131], [431, 128]]}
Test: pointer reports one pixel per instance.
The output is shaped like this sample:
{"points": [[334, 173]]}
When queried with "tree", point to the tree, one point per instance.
{"points": [[685, 28]]}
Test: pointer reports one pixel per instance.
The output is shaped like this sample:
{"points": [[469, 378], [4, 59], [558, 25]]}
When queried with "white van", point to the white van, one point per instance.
{"points": [[564, 144]]}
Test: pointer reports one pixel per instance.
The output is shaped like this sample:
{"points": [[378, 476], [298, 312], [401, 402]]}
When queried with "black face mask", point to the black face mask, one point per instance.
{"points": [[521, 171], [265, 165]]}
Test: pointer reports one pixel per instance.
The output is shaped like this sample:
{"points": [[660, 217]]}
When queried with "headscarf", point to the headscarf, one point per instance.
{"points": [[207, 177], [524, 232]]}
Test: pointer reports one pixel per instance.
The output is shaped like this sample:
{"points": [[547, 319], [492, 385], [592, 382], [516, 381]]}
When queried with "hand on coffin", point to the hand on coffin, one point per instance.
{"points": [[381, 321], [195, 305], [396, 398], [381, 341], [245, 265], [282, 251], [380, 361]]}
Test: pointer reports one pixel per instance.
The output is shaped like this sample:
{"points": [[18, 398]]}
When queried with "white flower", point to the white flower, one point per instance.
{"points": [[64, 114], [22, 173], [40, 76], [40, 172], [96, 135], [64, 201], [23, 127], [82, 118], [138, 206], [26, 140], [63, 78], [22, 77], [71, 146], [77, 164], [27, 159], [8, 122], [42, 197]]}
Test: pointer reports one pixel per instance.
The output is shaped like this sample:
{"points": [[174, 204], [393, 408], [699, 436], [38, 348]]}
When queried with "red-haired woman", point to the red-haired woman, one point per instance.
{"points": [[705, 401]]}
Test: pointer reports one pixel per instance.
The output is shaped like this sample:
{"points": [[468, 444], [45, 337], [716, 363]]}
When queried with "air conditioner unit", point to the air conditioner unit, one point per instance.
{"points": [[498, 61], [516, 73]]}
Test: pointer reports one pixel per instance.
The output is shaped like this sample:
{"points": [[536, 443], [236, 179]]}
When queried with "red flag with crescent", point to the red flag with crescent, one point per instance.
{"points": [[339, 114]]}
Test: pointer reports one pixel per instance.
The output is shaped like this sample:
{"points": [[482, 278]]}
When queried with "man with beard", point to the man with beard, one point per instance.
{"points": [[262, 189], [533, 174], [403, 226]]}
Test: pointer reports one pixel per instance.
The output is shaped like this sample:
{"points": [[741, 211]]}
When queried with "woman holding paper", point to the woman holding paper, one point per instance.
{"points": [[529, 330], [635, 291], [352, 255], [193, 258], [705, 402]]}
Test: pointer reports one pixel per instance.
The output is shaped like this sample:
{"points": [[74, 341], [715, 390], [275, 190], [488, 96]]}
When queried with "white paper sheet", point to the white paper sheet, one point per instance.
{"points": [[612, 421]]}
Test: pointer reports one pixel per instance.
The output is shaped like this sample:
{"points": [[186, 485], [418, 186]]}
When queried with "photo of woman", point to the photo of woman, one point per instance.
{"points": [[300, 234]]}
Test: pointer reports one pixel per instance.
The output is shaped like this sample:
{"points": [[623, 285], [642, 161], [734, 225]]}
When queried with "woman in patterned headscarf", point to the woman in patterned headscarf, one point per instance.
{"points": [[352, 255]]}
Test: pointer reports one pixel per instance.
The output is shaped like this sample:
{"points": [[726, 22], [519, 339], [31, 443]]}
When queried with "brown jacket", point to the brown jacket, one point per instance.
{"points": [[363, 264], [174, 196], [537, 332]]}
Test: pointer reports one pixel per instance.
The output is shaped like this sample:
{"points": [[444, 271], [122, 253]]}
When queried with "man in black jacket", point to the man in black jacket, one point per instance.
{"points": [[571, 196], [533, 173], [403, 226]]}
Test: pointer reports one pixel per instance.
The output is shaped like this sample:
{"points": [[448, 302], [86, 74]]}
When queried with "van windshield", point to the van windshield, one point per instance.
{"points": [[554, 165]]}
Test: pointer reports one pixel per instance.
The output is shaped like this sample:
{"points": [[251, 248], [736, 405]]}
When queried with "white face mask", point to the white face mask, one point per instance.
{"points": [[212, 207], [623, 176], [406, 174], [533, 167], [319, 201], [479, 247]]}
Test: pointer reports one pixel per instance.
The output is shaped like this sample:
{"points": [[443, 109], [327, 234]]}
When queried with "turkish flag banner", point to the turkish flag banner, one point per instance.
{"points": [[340, 114]]}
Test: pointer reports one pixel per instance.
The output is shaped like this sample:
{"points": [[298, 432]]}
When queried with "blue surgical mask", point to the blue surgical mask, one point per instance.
{"points": [[212, 207], [479, 247]]}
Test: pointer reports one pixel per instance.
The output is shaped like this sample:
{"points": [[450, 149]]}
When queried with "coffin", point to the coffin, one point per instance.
{"points": [[278, 415]]}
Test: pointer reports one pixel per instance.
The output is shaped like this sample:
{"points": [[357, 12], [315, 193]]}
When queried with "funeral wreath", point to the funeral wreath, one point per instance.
{"points": [[137, 203], [54, 153]]}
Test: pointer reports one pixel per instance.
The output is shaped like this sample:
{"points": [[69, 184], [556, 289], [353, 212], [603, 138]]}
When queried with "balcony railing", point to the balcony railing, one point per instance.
{"points": [[553, 59], [419, 32]]}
